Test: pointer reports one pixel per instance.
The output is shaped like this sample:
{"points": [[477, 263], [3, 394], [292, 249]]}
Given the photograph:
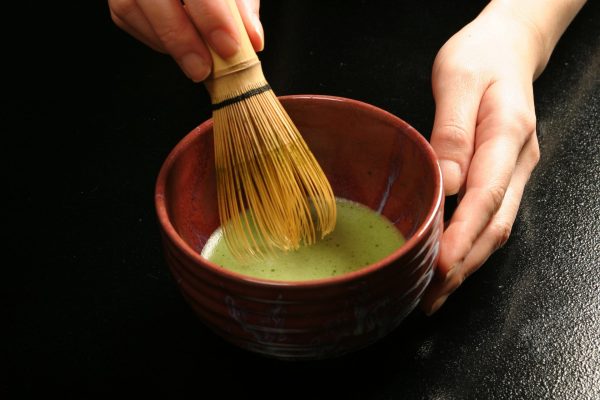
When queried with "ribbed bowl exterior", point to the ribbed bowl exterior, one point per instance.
{"points": [[307, 322], [373, 158]]}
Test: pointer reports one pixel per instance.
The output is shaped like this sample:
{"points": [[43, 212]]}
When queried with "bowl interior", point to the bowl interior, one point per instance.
{"points": [[368, 155]]}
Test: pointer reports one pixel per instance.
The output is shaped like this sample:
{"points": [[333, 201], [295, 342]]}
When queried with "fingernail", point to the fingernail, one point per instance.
{"points": [[223, 43], [195, 67], [436, 306], [451, 175]]}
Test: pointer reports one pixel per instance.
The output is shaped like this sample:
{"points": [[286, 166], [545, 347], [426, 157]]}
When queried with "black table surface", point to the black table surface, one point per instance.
{"points": [[91, 308]]}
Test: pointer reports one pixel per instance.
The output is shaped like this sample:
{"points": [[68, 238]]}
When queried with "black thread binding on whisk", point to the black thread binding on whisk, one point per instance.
{"points": [[241, 97]]}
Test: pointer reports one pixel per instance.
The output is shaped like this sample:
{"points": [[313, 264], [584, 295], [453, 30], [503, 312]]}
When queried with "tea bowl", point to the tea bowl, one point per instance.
{"points": [[369, 156]]}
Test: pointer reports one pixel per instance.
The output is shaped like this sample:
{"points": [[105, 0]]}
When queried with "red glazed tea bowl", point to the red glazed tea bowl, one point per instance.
{"points": [[369, 156]]}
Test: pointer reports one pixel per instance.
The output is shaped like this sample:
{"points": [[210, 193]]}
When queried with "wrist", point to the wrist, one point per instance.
{"points": [[526, 41], [543, 22]]}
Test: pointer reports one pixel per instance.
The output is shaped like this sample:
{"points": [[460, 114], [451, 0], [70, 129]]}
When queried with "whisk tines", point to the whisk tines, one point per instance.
{"points": [[272, 192]]}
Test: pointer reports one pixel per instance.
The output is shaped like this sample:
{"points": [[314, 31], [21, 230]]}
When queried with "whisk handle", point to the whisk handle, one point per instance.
{"points": [[244, 58]]}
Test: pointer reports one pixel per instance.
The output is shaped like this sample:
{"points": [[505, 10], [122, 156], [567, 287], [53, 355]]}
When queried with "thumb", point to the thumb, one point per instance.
{"points": [[453, 135], [249, 11]]}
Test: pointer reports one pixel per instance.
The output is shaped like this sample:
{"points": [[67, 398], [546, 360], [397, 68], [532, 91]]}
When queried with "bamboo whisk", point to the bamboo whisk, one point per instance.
{"points": [[271, 191]]}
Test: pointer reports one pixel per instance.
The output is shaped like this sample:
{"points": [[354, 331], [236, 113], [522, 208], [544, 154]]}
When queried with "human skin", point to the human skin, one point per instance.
{"points": [[186, 30], [484, 131]]}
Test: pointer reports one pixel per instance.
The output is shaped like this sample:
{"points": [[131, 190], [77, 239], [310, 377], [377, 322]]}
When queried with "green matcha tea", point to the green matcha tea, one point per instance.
{"points": [[361, 237]]}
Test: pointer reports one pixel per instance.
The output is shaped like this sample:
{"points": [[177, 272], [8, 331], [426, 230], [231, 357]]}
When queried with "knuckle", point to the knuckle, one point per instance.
{"points": [[501, 232], [530, 156], [526, 120], [210, 15], [453, 133], [520, 119], [535, 154], [171, 33], [494, 196], [533, 151], [446, 64]]}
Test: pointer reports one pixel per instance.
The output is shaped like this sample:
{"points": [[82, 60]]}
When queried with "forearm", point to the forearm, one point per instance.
{"points": [[547, 20]]}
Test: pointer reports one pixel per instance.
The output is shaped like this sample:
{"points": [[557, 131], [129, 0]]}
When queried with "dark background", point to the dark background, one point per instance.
{"points": [[91, 308]]}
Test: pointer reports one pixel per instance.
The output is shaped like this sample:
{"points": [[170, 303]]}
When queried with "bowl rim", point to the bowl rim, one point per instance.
{"points": [[182, 245]]}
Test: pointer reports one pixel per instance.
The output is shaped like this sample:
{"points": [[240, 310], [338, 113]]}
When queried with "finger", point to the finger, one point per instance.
{"points": [[216, 24], [479, 203], [496, 234], [128, 16], [501, 135], [493, 237], [457, 96], [249, 10], [178, 36]]}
